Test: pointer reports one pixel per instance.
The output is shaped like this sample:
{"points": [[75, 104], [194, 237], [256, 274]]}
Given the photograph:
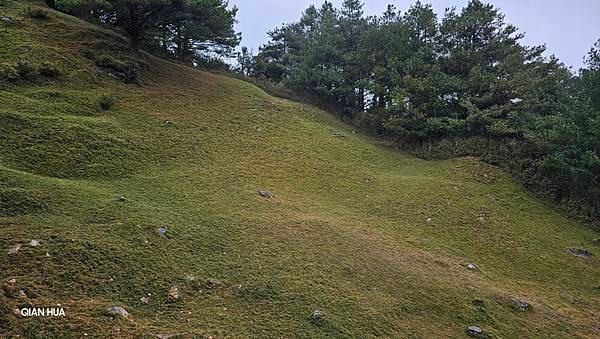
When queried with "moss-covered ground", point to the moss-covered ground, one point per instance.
{"points": [[374, 238]]}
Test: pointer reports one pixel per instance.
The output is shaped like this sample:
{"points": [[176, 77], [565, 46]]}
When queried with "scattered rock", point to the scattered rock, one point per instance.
{"points": [[14, 249], [578, 252], [429, 220], [5, 19], [481, 219], [163, 230], [339, 135], [474, 331], [122, 198], [34, 243], [117, 310], [266, 194], [215, 283], [317, 315], [12, 281], [191, 279], [165, 336], [47, 255], [174, 293], [520, 304], [473, 267], [145, 300]]}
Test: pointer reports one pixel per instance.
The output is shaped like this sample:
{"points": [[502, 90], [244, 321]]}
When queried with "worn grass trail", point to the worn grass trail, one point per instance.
{"points": [[374, 238]]}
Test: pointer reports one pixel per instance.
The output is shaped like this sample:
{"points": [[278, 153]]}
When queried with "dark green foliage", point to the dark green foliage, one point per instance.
{"points": [[8, 72], [210, 63], [129, 70], [459, 80], [27, 72], [51, 3], [14, 201], [185, 30], [37, 13], [50, 70], [106, 102]]}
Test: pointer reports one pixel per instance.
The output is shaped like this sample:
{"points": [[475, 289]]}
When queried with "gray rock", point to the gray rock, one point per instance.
{"points": [[174, 293], [14, 249], [520, 304], [34, 243], [122, 198], [145, 300], [117, 310], [473, 267], [317, 314], [191, 279], [215, 283], [578, 252], [165, 336], [474, 331], [163, 230], [266, 194]]}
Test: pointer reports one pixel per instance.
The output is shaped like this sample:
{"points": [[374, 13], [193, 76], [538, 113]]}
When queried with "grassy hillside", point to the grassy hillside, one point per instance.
{"points": [[375, 239]]}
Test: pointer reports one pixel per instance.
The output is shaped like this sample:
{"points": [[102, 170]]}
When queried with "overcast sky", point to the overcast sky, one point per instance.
{"points": [[569, 28]]}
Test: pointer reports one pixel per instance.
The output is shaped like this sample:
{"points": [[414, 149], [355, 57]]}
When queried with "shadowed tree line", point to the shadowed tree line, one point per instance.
{"points": [[189, 31], [458, 85]]}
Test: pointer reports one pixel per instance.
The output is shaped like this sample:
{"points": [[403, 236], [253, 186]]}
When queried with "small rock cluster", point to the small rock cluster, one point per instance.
{"points": [[213, 283], [578, 252], [14, 249], [120, 311], [174, 293], [520, 304], [266, 194], [317, 315]]}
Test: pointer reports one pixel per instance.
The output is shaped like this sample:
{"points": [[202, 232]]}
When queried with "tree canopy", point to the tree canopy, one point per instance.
{"points": [[181, 29]]}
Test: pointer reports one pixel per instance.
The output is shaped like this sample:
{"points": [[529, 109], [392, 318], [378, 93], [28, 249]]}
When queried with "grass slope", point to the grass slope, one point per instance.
{"points": [[347, 232]]}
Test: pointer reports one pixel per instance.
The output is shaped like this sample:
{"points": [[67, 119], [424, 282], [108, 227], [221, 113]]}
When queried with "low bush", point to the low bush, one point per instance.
{"points": [[128, 71], [28, 72], [106, 102], [8, 73], [37, 13], [50, 70]]}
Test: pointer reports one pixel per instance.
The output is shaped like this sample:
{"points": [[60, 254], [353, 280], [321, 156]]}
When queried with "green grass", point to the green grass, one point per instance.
{"points": [[346, 233]]}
